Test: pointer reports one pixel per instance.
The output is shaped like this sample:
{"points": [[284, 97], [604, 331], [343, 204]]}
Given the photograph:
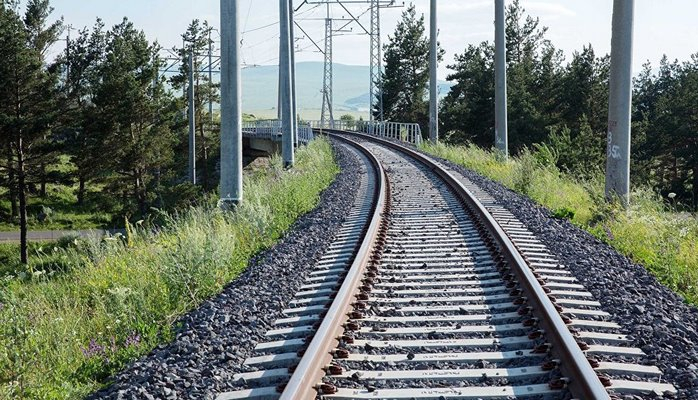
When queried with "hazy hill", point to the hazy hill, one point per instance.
{"points": [[259, 89]]}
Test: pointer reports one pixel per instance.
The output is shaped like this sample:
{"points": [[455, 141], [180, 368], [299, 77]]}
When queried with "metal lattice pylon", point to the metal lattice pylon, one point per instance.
{"points": [[376, 97], [327, 117]]}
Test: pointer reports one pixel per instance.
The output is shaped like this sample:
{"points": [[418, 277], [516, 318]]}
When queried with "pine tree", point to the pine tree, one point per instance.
{"points": [[81, 62], [406, 75], [28, 99], [134, 114], [467, 111], [197, 39], [534, 71]]}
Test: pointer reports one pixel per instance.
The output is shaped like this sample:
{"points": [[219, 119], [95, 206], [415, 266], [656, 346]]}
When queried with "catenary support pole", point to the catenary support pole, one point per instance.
{"points": [[210, 81], [285, 68], [500, 125], [326, 116], [375, 84], [294, 95], [433, 82], [192, 120], [619, 103], [231, 110]]}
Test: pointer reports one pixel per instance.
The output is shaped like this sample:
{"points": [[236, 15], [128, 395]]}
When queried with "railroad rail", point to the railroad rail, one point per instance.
{"points": [[432, 290]]}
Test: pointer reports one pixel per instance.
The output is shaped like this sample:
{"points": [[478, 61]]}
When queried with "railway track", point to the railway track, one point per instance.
{"points": [[432, 290]]}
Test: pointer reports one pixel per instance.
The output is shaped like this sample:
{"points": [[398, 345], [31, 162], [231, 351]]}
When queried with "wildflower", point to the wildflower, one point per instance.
{"points": [[671, 195], [133, 339], [93, 349]]}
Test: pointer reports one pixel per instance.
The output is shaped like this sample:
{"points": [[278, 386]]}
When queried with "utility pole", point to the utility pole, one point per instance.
{"points": [[287, 149], [376, 85], [231, 110], [184, 56], [619, 103], [294, 95], [192, 121], [433, 83], [500, 126], [326, 118], [210, 80]]}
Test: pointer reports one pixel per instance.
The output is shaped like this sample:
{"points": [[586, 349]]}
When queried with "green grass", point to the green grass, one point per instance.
{"points": [[9, 257], [61, 203], [64, 330], [65, 213], [666, 243]]}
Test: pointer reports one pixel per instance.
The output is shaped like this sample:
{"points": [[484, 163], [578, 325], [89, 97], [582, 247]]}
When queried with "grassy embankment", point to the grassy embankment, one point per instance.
{"points": [[66, 327], [648, 231]]}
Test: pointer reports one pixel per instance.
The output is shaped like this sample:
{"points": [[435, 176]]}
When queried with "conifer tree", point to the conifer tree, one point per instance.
{"points": [[197, 39], [406, 74], [134, 116], [28, 93]]}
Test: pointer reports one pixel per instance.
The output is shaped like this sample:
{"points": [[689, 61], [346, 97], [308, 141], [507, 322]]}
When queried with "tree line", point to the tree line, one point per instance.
{"points": [[102, 106], [554, 104]]}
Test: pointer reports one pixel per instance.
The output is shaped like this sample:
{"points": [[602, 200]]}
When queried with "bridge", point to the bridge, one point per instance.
{"points": [[267, 135]]}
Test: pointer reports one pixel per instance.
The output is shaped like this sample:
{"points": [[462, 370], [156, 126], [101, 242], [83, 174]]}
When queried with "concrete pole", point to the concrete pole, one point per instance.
{"points": [[619, 103], [500, 107], [294, 95], [433, 82], [210, 80], [285, 69], [184, 87], [231, 110], [192, 121]]}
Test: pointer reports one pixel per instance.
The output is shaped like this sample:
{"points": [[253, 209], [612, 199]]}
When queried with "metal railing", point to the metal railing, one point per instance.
{"points": [[271, 129], [405, 132]]}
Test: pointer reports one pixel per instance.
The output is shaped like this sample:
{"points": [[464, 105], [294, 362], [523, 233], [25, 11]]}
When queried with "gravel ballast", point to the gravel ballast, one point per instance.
{"points": [[658, 320], [215, 339]]}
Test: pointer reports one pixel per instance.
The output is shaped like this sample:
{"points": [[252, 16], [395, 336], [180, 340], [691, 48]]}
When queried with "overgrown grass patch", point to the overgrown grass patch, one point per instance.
{"points": [[62, 334], [59, 210], [648, 231]]}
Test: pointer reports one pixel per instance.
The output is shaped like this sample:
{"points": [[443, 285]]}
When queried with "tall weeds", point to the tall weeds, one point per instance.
{"points": [[64, 330], [648, 231]]}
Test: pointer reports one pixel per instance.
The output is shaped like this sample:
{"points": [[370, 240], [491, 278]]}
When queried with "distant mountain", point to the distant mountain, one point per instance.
{"points": [[260, 88]]}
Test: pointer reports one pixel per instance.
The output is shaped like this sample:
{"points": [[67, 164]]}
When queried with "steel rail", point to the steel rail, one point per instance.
{"points": [[583, 383], [310, 369]]}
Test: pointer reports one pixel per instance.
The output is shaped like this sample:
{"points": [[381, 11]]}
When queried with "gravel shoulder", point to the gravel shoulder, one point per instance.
{"points": [[658, 320], [215, 339]]}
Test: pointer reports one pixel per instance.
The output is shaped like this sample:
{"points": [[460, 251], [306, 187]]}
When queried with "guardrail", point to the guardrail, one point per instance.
{"points": [[402, 131], [271, 130]]}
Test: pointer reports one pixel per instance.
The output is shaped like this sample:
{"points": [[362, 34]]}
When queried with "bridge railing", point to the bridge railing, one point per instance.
{"points": [[271, 129], [406, 132]]}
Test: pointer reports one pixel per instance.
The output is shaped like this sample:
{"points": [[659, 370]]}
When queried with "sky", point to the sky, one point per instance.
{"points": [[661, 26]]}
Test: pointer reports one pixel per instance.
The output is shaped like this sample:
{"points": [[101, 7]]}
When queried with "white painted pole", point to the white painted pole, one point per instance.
{"points": [[619, 103]]}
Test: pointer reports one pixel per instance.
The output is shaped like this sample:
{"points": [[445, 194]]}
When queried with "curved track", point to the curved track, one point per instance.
{"points": [[444, 296]]}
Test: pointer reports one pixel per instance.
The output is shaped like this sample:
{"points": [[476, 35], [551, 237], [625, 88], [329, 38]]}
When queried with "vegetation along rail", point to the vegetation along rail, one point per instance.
{"points": [[432, 290]]}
